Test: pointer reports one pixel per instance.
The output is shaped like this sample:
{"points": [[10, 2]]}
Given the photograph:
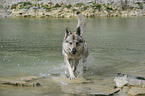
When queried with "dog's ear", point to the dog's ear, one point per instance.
{"points": [[67, 32], [78, 31]]}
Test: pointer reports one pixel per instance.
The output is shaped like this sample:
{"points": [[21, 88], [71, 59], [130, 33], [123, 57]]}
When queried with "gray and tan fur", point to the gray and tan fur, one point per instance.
{"points": [[74, 47]]}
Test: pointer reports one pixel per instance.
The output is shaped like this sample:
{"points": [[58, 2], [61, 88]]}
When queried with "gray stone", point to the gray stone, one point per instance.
{"points": [[136, 91], [29, 81], [129, 80], [17, 12], [124, 91]]}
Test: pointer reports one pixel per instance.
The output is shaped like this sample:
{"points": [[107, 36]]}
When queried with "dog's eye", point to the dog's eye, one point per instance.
{"points": [[77, 43], [70, 43]]}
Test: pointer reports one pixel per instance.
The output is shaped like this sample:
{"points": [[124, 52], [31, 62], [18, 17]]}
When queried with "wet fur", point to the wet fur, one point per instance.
{"points": [[74, 47]]}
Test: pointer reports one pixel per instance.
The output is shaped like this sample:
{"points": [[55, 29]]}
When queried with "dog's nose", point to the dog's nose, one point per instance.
{"points": [[74, 50]]}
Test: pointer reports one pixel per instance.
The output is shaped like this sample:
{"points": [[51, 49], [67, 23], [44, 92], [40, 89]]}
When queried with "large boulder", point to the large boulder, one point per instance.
{"points": [[130, 80]]}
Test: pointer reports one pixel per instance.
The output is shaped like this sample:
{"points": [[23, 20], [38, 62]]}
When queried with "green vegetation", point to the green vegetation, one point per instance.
{"points": [[91, 9], [140, 5]]}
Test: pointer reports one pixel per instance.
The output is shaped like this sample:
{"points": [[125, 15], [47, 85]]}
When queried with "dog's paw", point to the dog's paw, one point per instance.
{"points": [[72, 77]]}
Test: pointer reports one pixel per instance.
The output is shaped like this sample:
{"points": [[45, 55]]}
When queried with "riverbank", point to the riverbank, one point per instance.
{"points": [[61, 10], [126, 85]]}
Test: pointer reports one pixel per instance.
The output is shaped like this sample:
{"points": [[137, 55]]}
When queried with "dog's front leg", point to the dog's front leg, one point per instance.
{"points": [[72, 76], [84, 65]]}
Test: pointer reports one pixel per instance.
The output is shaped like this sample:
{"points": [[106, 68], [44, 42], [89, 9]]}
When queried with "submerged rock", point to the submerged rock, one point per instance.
{"points": [[21, 83], [102, 94], [29, 81], [136, 91]]}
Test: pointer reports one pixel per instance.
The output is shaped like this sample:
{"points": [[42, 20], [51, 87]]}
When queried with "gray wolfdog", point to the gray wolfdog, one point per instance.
{"points": [[74, 47]]}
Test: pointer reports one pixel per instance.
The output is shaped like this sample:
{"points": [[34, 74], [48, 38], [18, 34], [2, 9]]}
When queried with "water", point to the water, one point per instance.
{"points": [[32, 47]]}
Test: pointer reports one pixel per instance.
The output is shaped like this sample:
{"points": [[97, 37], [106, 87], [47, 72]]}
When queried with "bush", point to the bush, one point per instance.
{"points": [[1, 7], [140, 5], [13, 6], [57, 5], [68, 6], [79, 4]]}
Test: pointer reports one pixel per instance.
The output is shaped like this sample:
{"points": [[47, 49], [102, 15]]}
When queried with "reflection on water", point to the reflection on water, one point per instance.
{"points": [[33, 47]]}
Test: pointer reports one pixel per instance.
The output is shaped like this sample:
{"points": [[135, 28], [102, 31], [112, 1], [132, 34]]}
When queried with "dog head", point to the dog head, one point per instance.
{"points": [[73, 41]]}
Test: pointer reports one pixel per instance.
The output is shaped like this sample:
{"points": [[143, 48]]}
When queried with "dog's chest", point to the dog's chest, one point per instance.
{"points": [[79, 56]]}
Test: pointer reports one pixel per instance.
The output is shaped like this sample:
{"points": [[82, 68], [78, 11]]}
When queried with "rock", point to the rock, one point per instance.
{"points": [[41, 12], [136, 91], [67, 10], [129, 80], [26, 15], [14, 83], [62, 15], [102, 94], [76, 8], [20, 83], [30, 78], [30, 13], [103, 15], [120, 80], [124, 13], [124, 91], [132, 13], [17, 12], [48, 14], [68, 15], [29, 81], [54, 13]]}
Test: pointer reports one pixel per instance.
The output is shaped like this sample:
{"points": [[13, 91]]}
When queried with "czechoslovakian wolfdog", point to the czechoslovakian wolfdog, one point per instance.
{"points": [[74, 47]]}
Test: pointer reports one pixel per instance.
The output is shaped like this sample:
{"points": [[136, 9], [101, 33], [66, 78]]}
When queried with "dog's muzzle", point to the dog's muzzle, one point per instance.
{"points": [[74, 50]]}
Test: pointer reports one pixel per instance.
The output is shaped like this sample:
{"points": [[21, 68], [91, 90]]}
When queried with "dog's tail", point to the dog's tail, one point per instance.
{"points": [[81, 22]]}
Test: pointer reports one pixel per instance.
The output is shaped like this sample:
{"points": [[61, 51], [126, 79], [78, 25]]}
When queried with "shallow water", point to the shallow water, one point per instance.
{"points": [[32, 47]]}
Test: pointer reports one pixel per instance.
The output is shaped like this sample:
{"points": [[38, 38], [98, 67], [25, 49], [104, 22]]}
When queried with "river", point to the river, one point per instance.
{"points": [[32, 47]]}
